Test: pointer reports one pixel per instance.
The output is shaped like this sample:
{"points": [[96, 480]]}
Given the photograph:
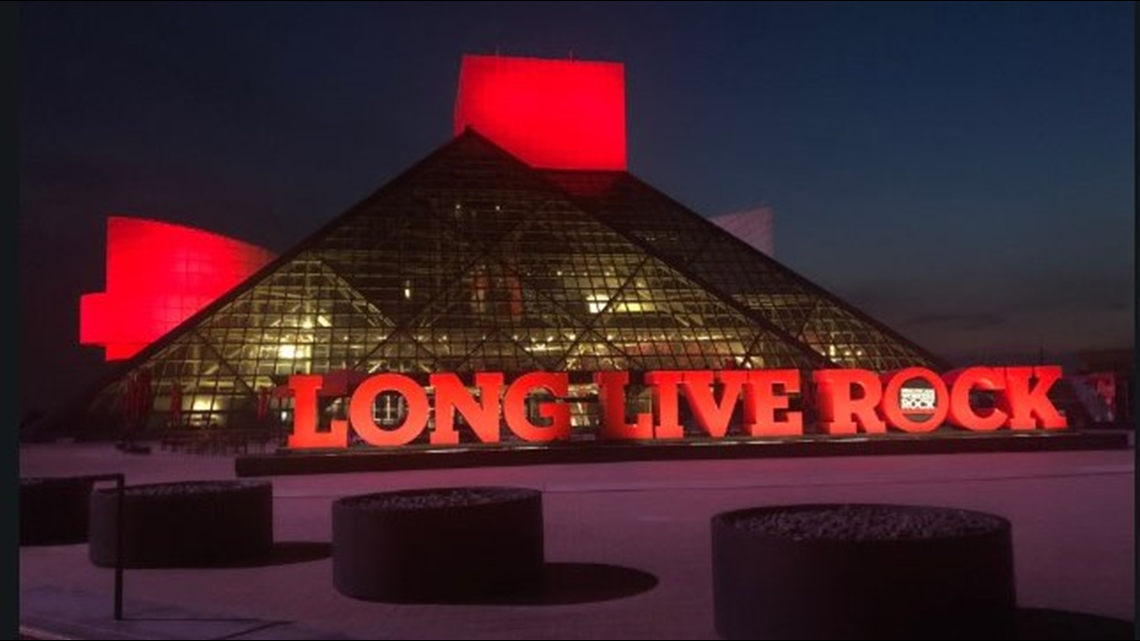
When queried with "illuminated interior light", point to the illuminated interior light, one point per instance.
{"points": [[293, 352], [597, 302]]}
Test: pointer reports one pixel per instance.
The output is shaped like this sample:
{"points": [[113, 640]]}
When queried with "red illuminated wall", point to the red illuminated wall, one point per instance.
{"points": [[556, 114], [159, 274]]}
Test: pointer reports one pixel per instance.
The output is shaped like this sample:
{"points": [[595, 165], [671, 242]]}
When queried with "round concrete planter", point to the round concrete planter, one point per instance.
{"points": [[188, 524], [862, 572], [53, 511], [438, 544]]}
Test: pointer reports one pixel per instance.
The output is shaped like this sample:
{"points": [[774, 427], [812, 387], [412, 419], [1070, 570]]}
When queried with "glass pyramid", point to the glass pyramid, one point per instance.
{"points": [[473, 261]]}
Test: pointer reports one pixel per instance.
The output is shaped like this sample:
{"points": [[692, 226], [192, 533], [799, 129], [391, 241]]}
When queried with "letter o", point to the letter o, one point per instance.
{"points": [[894, 414], [360, 411]]}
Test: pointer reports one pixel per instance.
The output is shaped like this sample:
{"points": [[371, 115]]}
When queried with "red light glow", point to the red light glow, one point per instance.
{"points": [[158, 275], [848, 402], [553, 114]]}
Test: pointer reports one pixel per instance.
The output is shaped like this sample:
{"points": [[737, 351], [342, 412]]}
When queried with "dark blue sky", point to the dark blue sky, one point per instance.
{"points": [[962, 171]]}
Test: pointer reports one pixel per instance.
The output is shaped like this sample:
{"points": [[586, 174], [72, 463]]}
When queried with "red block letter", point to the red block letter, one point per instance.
{"points": [[898, 416], [451, 395], [837, 408], [305, 432], [664, 385], [1028, 401], [961, 413], [365, 398], [761, 403], [611, 396], [558, 413], [712, 417]]}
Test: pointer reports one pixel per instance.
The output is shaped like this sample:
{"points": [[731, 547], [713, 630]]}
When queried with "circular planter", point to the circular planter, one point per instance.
{"points": [[438, 544], [53, 511], [862, 571], [188, 524]]}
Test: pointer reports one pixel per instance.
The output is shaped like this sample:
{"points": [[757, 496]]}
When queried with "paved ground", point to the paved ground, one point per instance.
{"points": [[629, 544]]}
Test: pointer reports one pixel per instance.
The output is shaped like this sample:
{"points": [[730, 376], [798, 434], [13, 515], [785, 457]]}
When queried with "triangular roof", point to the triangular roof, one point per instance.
{"points": [[734, 268], [473, 261]]}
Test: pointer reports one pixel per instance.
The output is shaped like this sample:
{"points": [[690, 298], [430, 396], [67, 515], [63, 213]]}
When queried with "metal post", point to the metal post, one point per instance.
{"points": [[120, 536]]}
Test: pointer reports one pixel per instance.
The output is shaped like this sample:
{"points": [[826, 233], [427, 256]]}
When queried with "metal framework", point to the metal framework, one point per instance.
{"points": [[473, 261]]}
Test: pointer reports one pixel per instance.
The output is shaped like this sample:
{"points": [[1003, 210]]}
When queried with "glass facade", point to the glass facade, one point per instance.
{"points": [[729, 267], [473, 261]]}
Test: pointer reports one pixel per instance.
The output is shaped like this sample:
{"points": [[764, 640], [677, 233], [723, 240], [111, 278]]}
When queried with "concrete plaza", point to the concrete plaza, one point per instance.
{"points": [[629, 544]]}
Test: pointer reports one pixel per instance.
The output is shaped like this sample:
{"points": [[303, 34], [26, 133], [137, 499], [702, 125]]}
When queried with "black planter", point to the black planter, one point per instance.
{"points": [[53, 511], [862, 572], [445, 544], [188, 524]]}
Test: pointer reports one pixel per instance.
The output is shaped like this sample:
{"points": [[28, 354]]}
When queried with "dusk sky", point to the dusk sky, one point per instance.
{"points": [[963, 172]]}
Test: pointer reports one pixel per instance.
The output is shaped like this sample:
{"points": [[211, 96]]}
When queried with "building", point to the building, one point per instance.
{"points": [[473, 260], [158, 275]]}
